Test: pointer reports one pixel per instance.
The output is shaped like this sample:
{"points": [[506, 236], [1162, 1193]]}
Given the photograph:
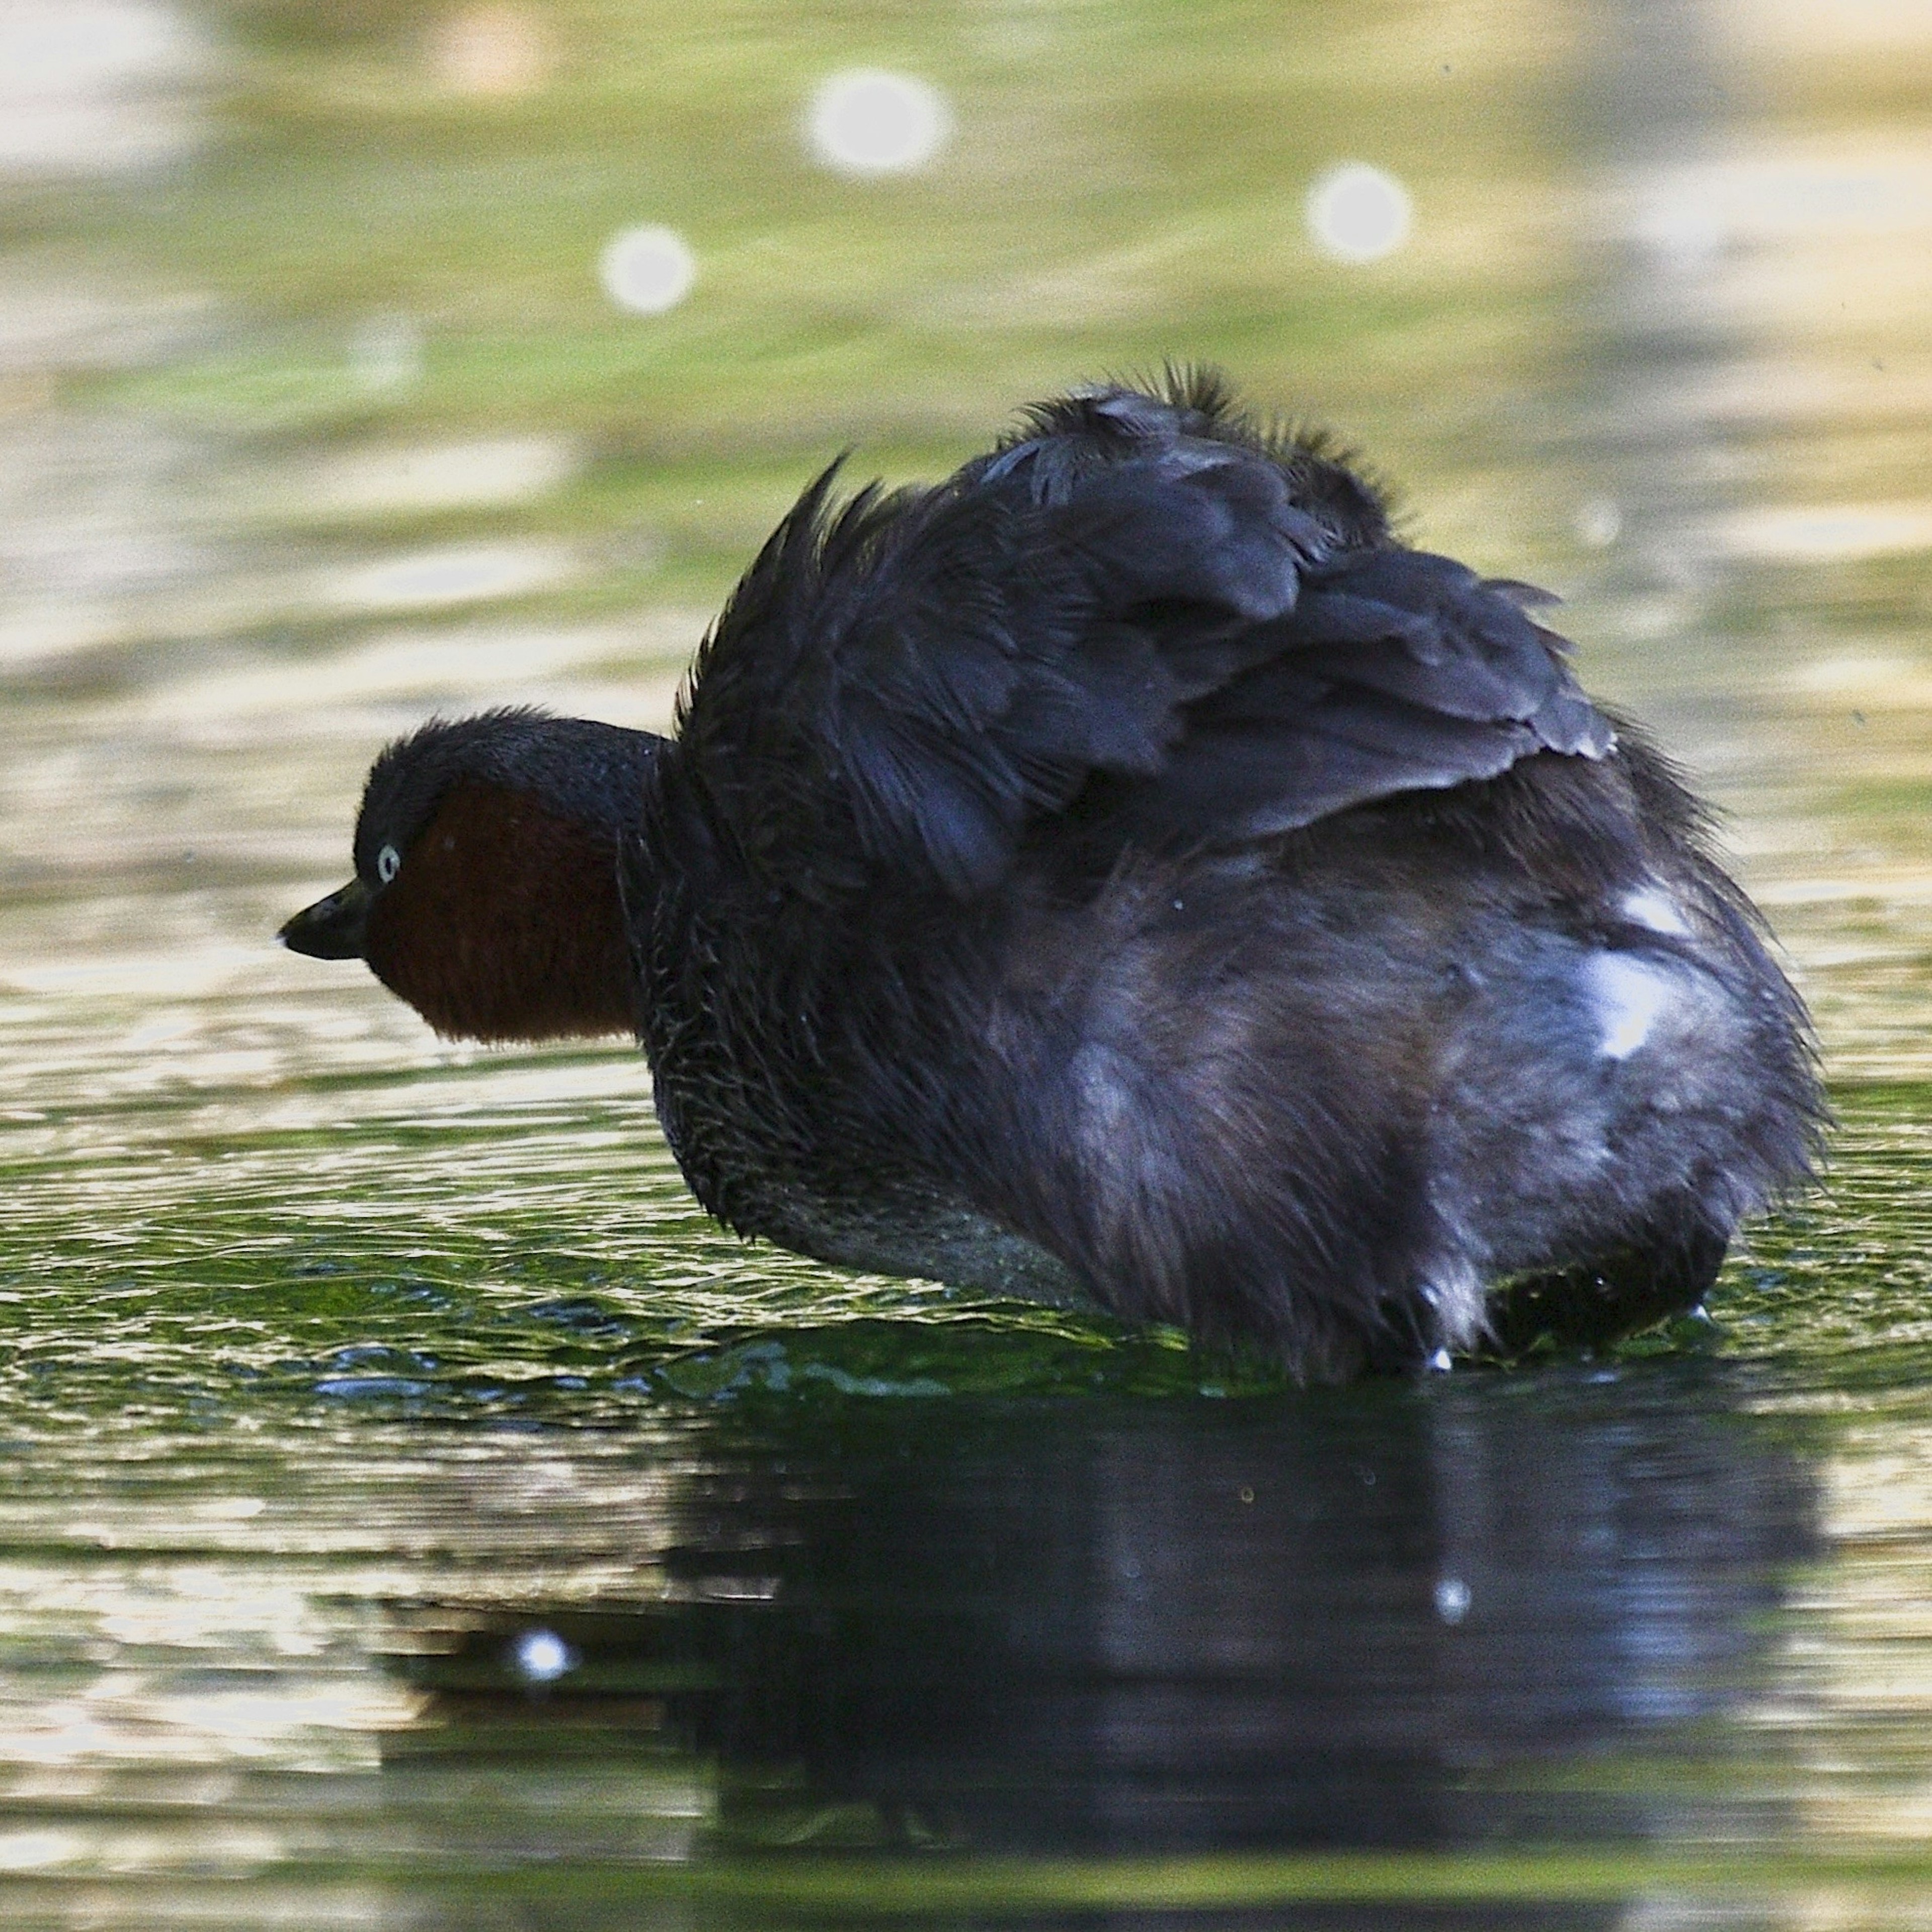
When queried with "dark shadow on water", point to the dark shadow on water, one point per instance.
{"points": [[1498, 1611]]}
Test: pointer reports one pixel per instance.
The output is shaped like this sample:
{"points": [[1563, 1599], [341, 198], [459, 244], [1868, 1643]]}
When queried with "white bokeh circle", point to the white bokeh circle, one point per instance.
{"points": [[1358, 213], [866, 121], [647, 270], [542, 1656]]}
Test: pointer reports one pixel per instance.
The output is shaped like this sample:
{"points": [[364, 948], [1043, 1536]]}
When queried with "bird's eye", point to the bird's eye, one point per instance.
{"points": [[388, 863]]}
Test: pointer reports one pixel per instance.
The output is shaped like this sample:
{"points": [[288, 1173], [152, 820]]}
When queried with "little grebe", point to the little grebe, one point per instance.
{"points": [[1124, 874]]}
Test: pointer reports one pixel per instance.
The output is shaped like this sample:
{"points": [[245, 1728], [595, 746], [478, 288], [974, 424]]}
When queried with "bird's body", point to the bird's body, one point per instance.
{"points": [[1122, 873]]}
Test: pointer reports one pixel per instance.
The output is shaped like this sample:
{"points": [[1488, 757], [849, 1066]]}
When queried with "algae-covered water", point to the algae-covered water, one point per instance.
{"points": [[415, 1513]]}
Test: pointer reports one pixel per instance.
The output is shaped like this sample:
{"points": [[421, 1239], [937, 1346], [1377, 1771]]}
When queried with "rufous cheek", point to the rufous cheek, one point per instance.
{"points": [[504, 923]]}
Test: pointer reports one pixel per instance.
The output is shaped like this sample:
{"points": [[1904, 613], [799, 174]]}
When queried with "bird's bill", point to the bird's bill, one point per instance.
{"points": [[331, 929]]}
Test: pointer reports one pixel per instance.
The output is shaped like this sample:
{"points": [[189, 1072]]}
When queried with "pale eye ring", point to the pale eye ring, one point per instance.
{"points": [[388, 863]]}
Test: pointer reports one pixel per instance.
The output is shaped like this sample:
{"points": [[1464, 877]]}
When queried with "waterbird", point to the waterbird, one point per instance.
{"points": [[1126, 874]]}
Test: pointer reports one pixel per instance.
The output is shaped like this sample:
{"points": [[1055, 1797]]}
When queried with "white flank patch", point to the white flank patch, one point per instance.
{"points": [[1628, 995], [1651, 906]]}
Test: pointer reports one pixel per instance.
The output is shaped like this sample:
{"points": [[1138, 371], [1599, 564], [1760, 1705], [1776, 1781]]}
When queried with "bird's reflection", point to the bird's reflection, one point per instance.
{"points": [[1390, 1616]]}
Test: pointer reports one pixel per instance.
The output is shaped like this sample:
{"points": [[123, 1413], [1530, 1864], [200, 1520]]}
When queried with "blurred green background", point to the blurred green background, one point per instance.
{"points": [[385, 221], [317, 402]]}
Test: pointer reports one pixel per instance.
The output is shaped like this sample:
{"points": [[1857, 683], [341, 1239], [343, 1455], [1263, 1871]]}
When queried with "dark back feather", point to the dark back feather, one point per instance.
{"points": [[1202, 627]]}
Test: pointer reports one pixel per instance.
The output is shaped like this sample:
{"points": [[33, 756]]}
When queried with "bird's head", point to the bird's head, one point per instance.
{"points": [[486, 892]]}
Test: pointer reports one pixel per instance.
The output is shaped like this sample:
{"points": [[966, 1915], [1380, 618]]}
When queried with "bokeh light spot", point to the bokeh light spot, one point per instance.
{"points": [[1358, 213], [490, 51], [1683, 231], [647, 270], [1599, 522], [865, 121], [386, 352], [542, 1656]]}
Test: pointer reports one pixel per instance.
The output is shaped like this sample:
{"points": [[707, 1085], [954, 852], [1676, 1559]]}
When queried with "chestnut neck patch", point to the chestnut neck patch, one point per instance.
{"points": [[505, 923]]}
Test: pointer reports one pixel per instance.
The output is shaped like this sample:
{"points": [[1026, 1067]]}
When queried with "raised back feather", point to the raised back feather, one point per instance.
{"points": [[1145, 592]]}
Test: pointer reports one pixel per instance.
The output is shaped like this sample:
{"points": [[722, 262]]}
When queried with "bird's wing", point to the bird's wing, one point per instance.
{"points": [[900, 687]]}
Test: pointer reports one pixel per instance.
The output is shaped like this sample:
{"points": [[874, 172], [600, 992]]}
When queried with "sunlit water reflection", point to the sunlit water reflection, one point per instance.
{"points": [[418, 1514]]}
